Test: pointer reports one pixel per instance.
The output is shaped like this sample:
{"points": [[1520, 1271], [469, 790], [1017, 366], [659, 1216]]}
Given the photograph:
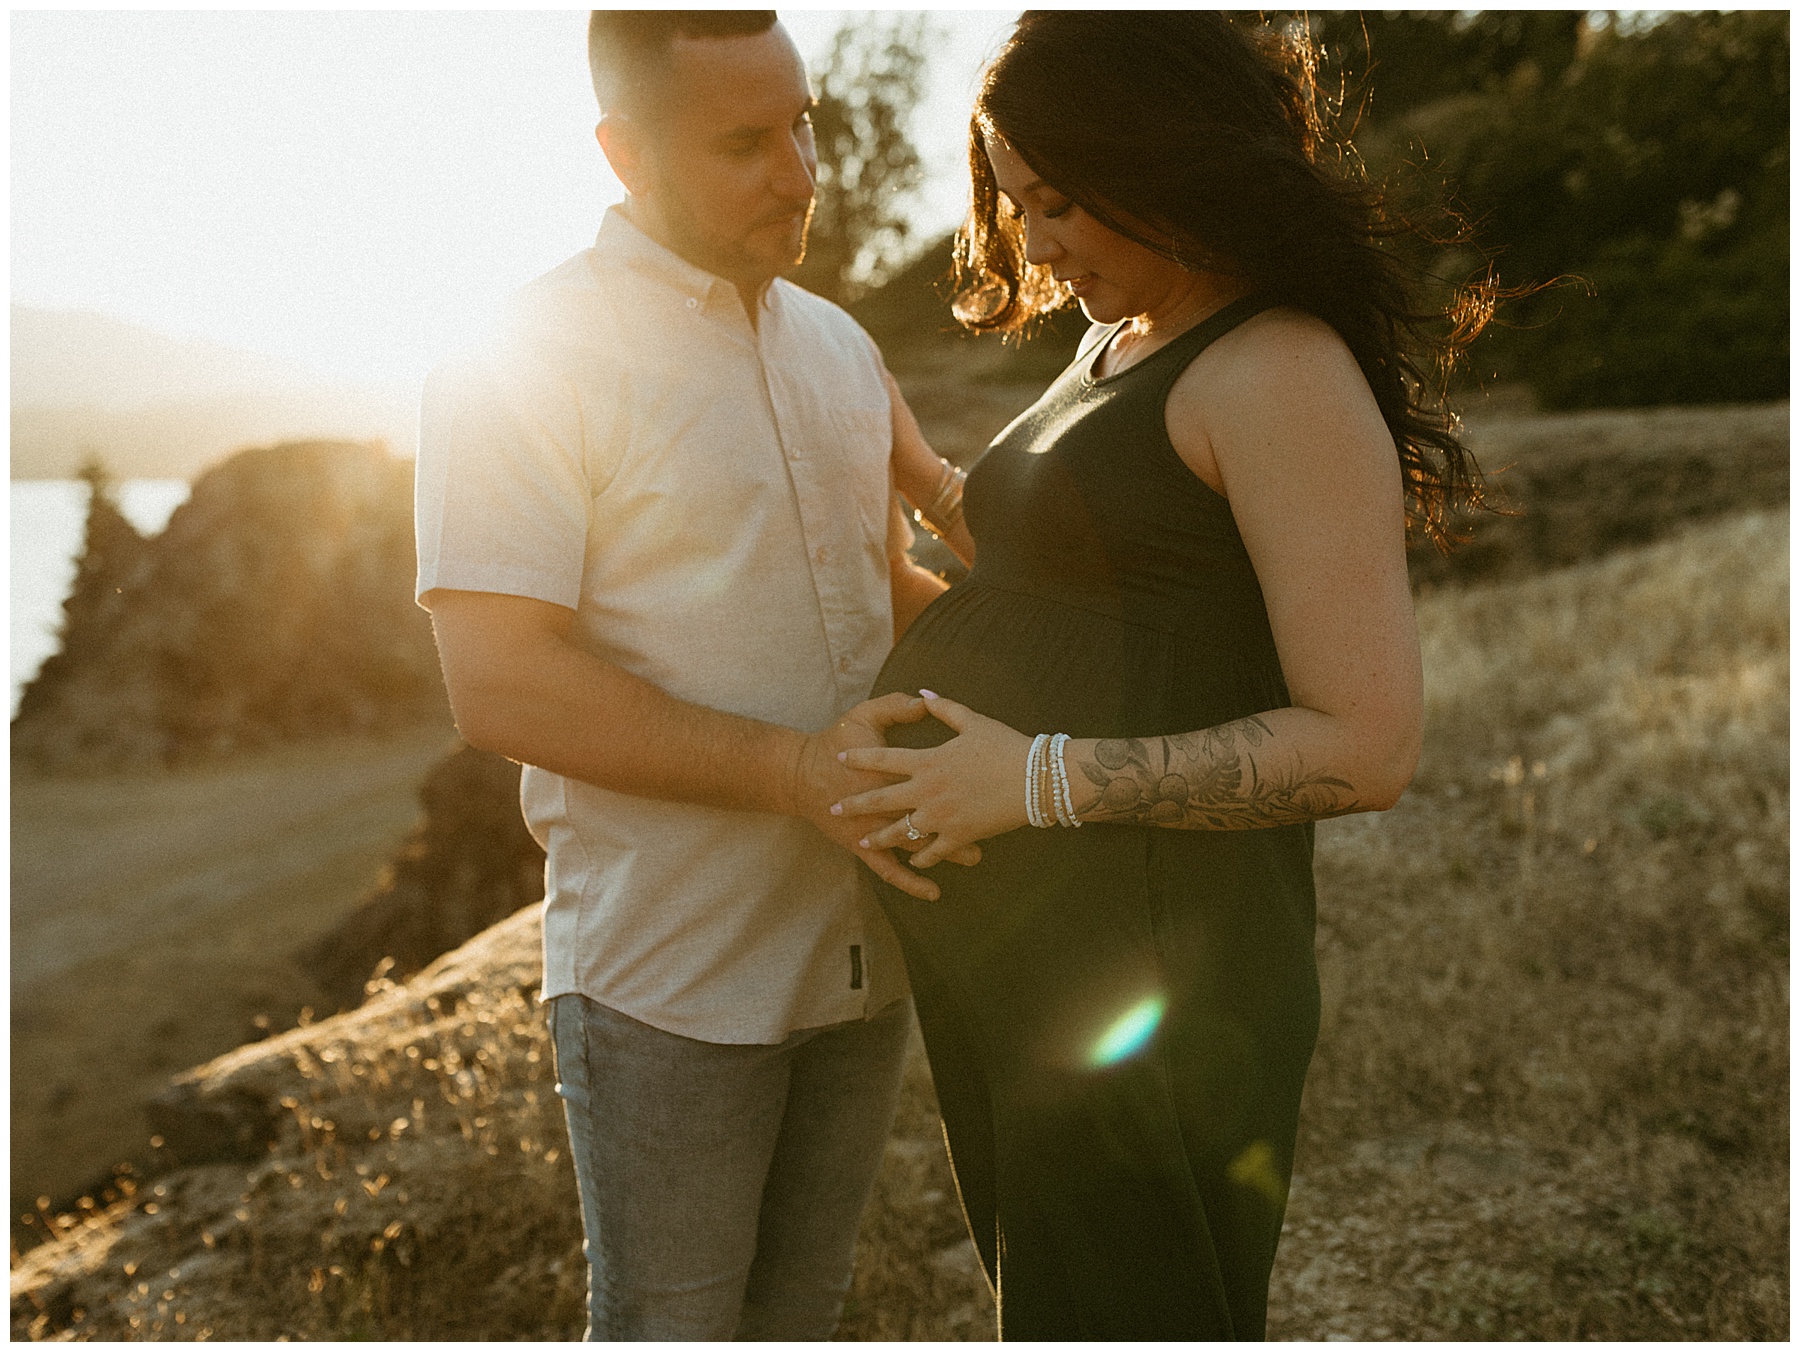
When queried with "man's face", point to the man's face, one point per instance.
{"points": [[730, 160]]}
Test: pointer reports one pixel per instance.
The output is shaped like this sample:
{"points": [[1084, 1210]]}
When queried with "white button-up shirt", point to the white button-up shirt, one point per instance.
{"points": [[712, 500]]}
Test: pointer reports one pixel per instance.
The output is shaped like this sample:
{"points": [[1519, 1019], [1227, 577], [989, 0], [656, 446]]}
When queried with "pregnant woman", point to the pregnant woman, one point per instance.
{"points": [[1189, 568]]}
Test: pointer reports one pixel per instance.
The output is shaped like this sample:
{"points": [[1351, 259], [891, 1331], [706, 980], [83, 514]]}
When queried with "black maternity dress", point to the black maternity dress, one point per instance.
{"points": [[1119, 1018]]}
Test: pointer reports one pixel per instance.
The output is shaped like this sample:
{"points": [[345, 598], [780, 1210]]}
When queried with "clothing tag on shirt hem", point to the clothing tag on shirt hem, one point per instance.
{"points": [[856, 968]]}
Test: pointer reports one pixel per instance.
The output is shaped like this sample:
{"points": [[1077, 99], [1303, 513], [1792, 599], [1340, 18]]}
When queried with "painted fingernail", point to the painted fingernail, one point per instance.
{"points": [[843, 755], [837, 809], [864, 842], [928, 694]]}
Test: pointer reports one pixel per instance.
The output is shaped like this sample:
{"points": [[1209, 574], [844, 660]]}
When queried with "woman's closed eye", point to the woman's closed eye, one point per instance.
{"points": [[1012, 211]]}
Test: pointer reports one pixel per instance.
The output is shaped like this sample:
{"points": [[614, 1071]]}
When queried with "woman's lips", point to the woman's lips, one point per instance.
{"points": [[1079, 285]]}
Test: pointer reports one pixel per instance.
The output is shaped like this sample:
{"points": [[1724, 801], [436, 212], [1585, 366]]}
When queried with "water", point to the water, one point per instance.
{"points": [[47, 520]]}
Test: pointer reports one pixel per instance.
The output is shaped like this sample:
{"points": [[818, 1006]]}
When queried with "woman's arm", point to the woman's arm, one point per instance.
{"points": [[921, 474], [1278, 418], [912, 588]]}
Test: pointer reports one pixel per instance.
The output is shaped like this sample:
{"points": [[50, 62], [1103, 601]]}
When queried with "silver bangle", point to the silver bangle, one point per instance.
{"points": [[945, 510]]}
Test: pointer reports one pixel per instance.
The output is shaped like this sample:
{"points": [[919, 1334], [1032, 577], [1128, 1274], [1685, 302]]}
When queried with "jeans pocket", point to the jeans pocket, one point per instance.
{"points": [[568, 1041]]}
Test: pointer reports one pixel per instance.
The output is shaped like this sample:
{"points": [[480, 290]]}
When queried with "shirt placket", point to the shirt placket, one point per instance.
{"points": [[827, 525]]}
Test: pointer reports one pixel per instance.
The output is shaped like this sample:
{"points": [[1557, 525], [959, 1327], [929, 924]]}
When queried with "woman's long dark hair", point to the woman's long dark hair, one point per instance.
{"points": [[1206, 140]]}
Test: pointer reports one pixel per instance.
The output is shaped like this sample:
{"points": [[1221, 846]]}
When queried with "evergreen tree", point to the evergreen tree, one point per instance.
{"points": [[110, 551], [867, 91]]}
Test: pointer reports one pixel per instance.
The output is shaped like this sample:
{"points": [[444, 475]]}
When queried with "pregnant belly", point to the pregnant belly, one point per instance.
{"points": [[1040, 665], [1033, 664]]}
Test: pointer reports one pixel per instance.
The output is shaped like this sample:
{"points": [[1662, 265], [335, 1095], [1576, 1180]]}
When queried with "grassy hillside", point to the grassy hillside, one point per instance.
{"points": [[1550, 1099], [1575, 486], [1548, 1102]]}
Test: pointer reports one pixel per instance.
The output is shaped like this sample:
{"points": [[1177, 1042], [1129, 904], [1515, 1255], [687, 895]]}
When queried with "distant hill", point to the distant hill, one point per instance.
{"points": [[155, 406]]}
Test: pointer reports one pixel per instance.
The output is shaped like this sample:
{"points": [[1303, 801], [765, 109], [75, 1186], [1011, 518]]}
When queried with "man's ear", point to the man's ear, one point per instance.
{"points": [[622, 142]]}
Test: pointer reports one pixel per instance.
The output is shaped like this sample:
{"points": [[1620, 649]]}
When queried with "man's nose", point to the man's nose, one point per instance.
{"points": [[792, 175]]}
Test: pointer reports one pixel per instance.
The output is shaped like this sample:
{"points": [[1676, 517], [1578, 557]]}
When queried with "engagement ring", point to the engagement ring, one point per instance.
{"points": [[912, 832]]}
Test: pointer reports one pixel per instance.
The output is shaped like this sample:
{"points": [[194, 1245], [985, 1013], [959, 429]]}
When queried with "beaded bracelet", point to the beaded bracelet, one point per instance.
{"points": [[1048, 799], [1034, 759], [1064, 800]]}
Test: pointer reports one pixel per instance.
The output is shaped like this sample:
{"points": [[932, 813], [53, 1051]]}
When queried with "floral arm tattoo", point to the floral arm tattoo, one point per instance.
{"points": [[1214, 780]]}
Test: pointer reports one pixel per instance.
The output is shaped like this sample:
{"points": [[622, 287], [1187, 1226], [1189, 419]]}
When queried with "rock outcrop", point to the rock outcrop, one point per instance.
{"points": [[402, 1171], [469, 864], [397, 1172], [276, 606]]}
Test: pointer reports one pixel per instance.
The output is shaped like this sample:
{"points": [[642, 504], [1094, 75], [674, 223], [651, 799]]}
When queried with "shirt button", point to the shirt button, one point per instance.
{"points": [[820, 554], [693, 304], [844, 664]]}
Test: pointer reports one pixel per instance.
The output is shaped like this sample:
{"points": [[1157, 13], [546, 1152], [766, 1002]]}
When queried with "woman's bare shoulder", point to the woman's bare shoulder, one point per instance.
{"points": [[1280, 361], [1267, 351], [1283, 375]]}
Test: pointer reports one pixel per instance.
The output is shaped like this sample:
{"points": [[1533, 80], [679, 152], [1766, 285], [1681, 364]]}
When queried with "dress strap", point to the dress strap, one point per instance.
{"points": [[1096, 338], [1203, 335]]}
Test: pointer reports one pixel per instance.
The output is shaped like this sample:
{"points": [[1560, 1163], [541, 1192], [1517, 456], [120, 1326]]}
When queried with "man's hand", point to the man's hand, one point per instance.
{"points": [[820, 780], [519, 687]]}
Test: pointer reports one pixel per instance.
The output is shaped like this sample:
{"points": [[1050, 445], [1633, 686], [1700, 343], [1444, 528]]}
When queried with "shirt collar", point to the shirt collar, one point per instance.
{"points": [[621, 241]]}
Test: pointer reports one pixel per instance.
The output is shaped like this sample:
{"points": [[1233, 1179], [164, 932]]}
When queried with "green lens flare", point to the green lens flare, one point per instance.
{"points": [[1128, 1035], [1255, 1168]]}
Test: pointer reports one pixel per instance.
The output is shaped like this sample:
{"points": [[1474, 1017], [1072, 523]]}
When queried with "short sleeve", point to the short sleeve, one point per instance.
{"points": [[502, 489]]}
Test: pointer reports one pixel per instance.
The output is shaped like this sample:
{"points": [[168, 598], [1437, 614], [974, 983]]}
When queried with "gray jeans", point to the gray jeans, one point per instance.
{"points": [[722, 1185]]}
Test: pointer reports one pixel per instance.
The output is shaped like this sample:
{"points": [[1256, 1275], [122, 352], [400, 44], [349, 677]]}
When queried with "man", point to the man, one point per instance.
{"points": [[663, 559]]}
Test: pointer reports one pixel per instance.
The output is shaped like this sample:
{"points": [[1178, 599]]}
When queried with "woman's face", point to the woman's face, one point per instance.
{"points": [[1113, 277]]}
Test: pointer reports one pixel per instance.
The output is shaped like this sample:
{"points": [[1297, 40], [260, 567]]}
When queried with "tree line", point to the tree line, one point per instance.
{"points": [[1638, 165]]}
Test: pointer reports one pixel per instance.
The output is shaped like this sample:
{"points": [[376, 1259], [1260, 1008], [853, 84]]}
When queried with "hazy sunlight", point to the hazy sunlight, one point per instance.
{"points": [[357, 192]]}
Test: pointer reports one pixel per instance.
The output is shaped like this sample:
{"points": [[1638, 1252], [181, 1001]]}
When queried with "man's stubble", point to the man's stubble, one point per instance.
{"points": [[732, 259]]}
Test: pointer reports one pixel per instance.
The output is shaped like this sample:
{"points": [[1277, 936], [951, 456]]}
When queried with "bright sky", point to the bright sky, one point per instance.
{"points": [[354, 190]]}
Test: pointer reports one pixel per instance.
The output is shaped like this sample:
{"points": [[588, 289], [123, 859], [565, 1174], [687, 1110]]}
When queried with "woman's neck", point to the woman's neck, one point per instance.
{"points": [[1192, 299]]}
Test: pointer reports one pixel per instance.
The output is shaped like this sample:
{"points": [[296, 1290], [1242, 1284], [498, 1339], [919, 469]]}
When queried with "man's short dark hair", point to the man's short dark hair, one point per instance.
{"points": [[628, 49]]}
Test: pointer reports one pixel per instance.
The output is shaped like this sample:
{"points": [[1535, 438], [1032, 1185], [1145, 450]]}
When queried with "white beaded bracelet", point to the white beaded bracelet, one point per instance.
{"points": [[1064, 800], [1034, 761]]}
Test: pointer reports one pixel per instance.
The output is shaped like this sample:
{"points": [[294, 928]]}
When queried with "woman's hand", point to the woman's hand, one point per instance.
{"points": [[865, 728], [970, 788]]}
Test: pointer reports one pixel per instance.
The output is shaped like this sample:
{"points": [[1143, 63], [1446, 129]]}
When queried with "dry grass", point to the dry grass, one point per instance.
{"points": [[1550, 1094], [1549, 1099], [415, 1184]]}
